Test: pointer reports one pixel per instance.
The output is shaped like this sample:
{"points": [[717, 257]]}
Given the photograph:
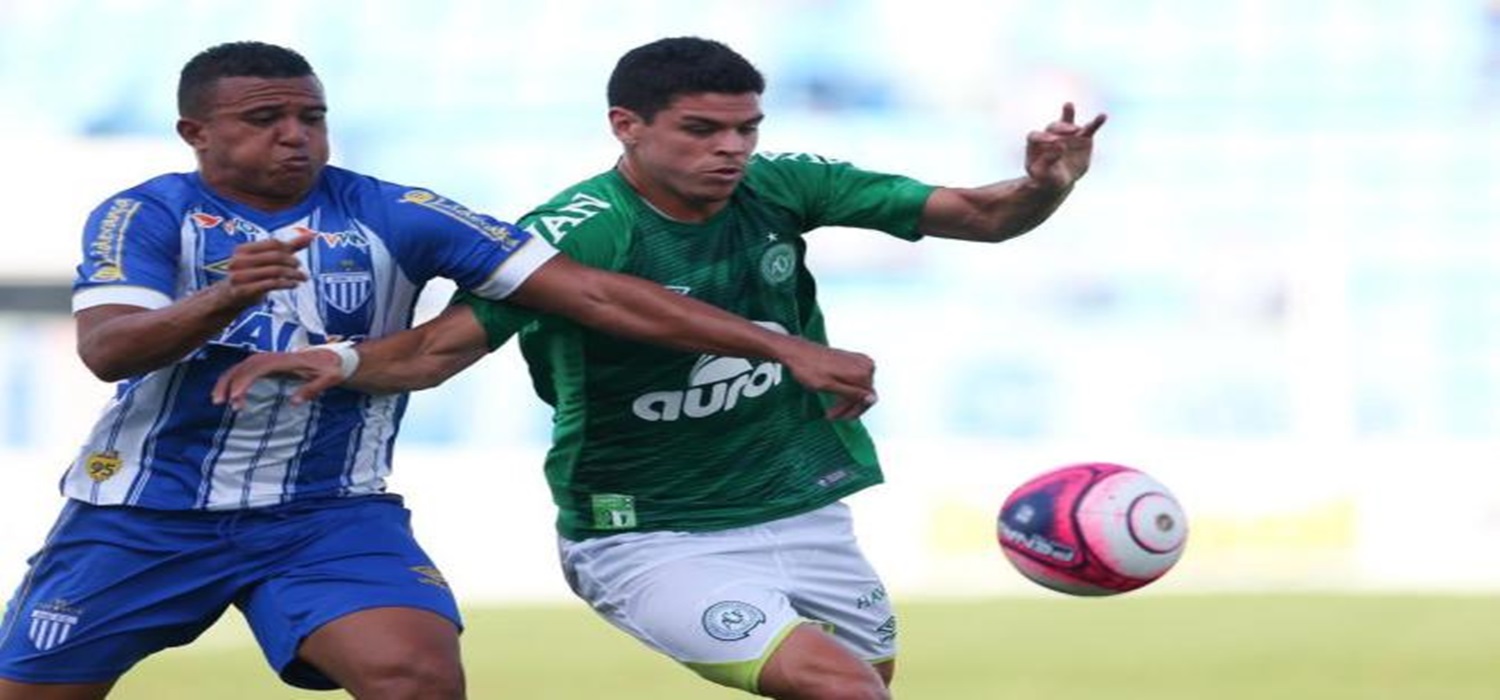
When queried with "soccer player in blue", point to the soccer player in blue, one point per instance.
{"points": [[178, 508]]}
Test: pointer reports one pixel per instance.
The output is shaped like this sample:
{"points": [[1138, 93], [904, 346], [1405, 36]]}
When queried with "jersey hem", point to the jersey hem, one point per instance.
{"points": [[578, 534]]}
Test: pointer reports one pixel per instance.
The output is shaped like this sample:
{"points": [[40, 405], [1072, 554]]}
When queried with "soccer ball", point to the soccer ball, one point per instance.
{"points": [[1092, 529]]}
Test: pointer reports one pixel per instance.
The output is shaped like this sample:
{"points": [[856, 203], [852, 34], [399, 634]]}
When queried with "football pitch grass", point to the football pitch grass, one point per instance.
{"points": [[1146, 647]]}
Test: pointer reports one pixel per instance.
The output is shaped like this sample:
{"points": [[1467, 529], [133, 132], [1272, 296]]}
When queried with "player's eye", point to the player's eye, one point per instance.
{"points": [[262, 118]]}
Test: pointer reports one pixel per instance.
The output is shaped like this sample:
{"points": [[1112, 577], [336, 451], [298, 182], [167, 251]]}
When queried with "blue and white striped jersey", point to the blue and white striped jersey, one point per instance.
{"points": [[161, 443]]}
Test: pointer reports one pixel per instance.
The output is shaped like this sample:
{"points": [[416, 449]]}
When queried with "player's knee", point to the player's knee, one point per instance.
{"points": [[415, 677]]}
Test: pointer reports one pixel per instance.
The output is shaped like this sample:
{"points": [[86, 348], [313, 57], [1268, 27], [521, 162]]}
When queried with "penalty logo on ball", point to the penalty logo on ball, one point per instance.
{"points": [[1092, 529]]}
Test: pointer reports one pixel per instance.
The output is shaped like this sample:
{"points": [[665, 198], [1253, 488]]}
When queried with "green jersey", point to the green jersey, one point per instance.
{"points": [[649, 438]]}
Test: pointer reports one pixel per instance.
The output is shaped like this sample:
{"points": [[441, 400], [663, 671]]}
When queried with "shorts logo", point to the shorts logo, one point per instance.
{"points": [[51, 624], [778, 263], [430, 576], [102, 465], [731, 620], [887, 631]]}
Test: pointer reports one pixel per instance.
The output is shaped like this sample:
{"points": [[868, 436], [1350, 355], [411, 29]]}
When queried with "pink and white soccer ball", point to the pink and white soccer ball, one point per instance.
{"points": [[1092, 529]]}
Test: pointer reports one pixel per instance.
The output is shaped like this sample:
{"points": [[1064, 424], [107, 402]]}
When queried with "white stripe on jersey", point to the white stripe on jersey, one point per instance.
{"points": [[117, 439], [144, 297], [513, 272]]}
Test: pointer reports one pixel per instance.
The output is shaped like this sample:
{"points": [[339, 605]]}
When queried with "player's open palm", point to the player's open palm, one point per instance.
{"points": [[319, 371], [1059, 155]]}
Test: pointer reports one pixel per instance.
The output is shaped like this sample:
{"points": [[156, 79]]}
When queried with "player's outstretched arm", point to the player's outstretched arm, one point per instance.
{"points": [[1056, 158], [418, 358], [117, 341], [635, 308]]}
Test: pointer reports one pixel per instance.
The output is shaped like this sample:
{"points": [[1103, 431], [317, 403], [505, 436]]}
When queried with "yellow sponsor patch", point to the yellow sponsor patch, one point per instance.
{"points": [[103, 465]]}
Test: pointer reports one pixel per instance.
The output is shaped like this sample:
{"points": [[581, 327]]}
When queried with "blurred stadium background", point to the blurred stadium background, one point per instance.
{"points": [[1276, 291]]}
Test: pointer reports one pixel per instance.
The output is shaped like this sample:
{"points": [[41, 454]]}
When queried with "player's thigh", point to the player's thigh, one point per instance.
{"points": [[111, 586], [363, 569], [712, 601], [832, 581], [11, 690]]}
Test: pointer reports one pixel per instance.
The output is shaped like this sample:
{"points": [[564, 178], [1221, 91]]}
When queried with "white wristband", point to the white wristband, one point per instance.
{"points": [[348, 356]]}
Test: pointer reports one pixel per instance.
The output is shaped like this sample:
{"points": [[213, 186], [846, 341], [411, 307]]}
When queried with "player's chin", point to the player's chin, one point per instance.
{"points": [[716, 190], [292, 182]]}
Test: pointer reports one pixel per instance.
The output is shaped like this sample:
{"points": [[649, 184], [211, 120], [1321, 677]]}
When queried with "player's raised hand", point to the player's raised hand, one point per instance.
{"points": [[319, 370], [848, 375], [1059, 155], [260, 267]]}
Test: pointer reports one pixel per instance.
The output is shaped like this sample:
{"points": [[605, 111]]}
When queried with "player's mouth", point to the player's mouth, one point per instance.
{"points": [[725, 174]]}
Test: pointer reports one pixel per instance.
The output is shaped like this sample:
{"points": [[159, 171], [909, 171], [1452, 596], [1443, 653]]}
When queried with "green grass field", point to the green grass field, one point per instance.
{"points": [[1164, 647]]}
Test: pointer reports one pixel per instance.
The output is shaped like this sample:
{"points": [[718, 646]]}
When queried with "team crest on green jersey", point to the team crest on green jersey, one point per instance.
{"points": [[778, 263]]}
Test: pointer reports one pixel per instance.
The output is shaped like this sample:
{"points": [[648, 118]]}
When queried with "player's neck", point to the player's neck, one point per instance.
{"points": [[663, 201]]}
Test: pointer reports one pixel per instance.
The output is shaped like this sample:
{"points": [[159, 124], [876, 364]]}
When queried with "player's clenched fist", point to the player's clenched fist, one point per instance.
{"points": [[261, 267]]}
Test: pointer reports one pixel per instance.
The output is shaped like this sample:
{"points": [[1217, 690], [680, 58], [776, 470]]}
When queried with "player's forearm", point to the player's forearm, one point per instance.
{"points": [[420, 358], [118, 342], [645, 311], [992, 213], [634, 308]]}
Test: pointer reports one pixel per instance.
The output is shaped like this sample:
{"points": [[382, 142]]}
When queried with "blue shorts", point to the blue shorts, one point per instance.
{"points": [[113, 585]]}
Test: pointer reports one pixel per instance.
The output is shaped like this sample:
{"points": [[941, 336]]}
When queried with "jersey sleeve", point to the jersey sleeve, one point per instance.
{"points": [[131, 251], [590, 228], [437, 237], [828, 192]]}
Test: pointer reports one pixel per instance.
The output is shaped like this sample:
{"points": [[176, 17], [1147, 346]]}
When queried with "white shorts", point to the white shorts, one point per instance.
{"points": [[728, 597]]}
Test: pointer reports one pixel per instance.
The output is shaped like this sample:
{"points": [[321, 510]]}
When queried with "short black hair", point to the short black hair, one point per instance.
{"points": [[647, 78], [236, 59]]}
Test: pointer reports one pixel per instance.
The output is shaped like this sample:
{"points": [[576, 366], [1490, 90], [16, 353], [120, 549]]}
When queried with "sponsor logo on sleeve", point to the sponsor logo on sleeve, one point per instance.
{"points": [[508, 236], [556, 224], [105, 250]]}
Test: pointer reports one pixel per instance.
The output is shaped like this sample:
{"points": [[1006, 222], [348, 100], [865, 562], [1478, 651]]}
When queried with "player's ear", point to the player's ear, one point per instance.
{"points": [[191, 132], [625, 123]]}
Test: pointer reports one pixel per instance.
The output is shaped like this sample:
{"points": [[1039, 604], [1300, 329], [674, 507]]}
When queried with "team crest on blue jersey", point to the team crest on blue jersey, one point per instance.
{"points": [[731, 620], [52, 624], [345, 291]]}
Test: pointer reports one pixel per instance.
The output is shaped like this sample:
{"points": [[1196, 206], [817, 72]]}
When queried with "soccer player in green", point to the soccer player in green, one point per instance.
{"points": [[699, 496]]}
